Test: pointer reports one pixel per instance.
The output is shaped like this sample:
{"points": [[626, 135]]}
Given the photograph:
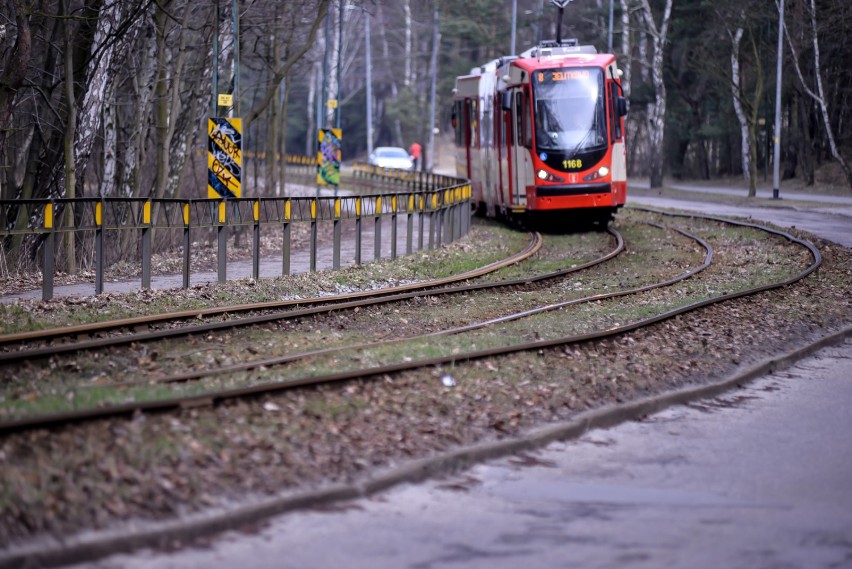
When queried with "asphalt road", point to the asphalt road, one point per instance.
{"points": [[758, 478]]}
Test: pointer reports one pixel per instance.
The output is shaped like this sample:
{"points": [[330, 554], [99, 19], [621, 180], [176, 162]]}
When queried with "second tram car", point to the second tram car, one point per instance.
{"points": [[543, 132]]}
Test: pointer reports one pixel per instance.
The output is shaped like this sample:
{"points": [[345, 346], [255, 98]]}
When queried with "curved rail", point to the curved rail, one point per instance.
{"points": [[279, 360], [267, 362], [377, 371], [322, 304]]}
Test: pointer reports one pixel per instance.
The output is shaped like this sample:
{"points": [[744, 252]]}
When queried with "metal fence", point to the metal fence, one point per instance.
{"points": [[388, 194]]}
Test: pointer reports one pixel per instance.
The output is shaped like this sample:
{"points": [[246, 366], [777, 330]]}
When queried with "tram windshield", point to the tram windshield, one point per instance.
{"points": [[569, 110]]}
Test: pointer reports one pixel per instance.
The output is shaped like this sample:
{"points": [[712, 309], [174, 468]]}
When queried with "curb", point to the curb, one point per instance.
{"points": [[54, 552]]}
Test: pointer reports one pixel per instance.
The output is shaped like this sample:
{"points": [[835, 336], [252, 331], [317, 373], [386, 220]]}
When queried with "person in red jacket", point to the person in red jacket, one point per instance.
{"points": [[414, 151]]}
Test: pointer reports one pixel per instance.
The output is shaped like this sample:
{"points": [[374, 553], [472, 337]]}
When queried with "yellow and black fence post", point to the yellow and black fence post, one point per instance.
{"points": [[255, 254], [377, 233], [146, 243], [409, 225], [187, 244], [313, 235], [336, 247], [285, 229], [99, 246], [49, 244], [393, 224], [358, 229], [421, 200], [432, 214], [222, 237]]}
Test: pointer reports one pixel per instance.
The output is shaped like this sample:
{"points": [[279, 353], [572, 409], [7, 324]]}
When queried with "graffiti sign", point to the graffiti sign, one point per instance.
{"points": [[328, 156], [224, 157]]}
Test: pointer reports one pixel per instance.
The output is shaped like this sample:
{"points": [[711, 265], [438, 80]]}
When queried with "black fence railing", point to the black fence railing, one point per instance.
{"points": [[440, 202]]}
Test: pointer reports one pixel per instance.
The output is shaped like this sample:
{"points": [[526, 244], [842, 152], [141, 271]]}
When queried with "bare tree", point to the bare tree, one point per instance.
{"points": [[819, 96], [657, 110]]}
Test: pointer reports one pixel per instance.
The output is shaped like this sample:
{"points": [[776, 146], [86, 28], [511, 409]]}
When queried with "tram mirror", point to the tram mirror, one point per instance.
{"points": [[622, 106], [506, 100]]}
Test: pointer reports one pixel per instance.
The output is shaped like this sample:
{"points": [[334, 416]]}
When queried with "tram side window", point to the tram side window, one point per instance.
{"points": [[466, 123], [616, 133], [457, 123], [474, 124], [521, 122], [524, 128]]}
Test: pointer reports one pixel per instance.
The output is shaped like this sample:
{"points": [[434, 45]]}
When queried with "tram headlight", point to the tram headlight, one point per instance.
{"points": [[599, 173], [548, 177]]}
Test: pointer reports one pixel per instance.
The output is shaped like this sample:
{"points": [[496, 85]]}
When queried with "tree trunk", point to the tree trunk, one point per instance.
{"points": [[407, 66], [742, 119], [657, 111], [11, 79], [107, 53], [626, 48], [282, 168], [68, 145], [819, 96], [109, 181]]}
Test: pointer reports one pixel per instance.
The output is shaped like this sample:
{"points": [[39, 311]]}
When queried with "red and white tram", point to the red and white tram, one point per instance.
{"points": [[543, 133]]}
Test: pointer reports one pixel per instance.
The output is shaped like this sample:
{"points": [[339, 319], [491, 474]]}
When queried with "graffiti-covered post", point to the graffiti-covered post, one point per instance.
{"points": [[328, 158], [224, 176]]}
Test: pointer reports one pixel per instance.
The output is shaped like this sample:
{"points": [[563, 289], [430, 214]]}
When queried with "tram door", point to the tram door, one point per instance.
{"points": [[507, 171], [520, 155]]}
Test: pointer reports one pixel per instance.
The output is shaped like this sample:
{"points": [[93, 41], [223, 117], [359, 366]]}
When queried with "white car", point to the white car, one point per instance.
{"points": [[391, 157]]}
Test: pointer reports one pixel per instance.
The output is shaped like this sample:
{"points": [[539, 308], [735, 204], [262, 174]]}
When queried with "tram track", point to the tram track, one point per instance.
{"points": [[455, 358], [270, 311]]}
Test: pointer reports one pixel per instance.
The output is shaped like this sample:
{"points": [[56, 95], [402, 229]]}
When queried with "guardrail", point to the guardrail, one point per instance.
{"points": [[443, 200]]}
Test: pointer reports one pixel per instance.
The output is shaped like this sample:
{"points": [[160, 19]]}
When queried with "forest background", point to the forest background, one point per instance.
{"points": [[111, 97]]}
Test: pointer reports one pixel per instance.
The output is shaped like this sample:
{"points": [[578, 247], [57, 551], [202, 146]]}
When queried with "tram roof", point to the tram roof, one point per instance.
{"points": [[535, 60]]}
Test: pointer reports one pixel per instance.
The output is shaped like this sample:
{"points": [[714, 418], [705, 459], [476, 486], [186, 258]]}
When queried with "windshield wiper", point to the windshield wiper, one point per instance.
{"points": [[579, 144]]}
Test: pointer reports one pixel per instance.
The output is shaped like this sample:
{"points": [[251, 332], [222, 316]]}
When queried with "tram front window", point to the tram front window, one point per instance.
{"points": [[569, 110]]}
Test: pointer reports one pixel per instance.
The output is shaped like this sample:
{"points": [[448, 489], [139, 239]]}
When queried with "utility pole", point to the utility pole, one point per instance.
{"points": [[514, 25], [436, 40], [236, 94], [325, 73], [215, 102], [776, 170], [369, 83], [339, 65]]}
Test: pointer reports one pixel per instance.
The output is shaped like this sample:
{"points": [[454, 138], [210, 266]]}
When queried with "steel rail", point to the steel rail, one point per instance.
{"points": [[377, 371], [366, 300], [246, 366], [280, 360], [531, 248]]}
